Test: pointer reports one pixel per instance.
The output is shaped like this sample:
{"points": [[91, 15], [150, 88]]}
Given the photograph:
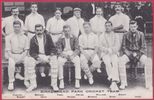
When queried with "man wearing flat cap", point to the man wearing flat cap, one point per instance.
{"points": [[76, 22]]}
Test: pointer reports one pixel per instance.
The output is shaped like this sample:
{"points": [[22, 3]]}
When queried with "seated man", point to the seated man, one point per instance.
{"points": [[88, 43], [16, 47], [42, 50], [69, 51], [134, 49], [109, 42]]}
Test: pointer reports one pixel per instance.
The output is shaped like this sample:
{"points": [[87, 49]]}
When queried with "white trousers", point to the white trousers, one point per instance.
{"points": [[53, 64], [11, 65], [147, 62], [96, 63], [75, 60], [111, 63]]}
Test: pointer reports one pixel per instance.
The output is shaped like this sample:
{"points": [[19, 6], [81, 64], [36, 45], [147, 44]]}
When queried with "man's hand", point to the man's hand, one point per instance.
{"points": [[134, 54], [110, 51], [86, 55], [40, 60], [72, 57], [64, 56]]}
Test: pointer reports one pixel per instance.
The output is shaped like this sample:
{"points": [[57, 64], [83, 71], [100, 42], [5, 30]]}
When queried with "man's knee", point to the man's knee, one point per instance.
{"points": [[54, 61], [106, 59], [29, 62], [76, 60], [143, 59], [11, 62], [123, 60]]}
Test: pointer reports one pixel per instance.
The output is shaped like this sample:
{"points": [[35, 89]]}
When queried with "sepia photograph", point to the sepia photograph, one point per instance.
{"points": [[74, 50]]}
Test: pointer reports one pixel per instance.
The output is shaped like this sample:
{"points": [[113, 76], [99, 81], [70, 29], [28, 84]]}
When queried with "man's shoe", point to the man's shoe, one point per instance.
{"points": [[61, 85], [18, 76], [114, 87], [77, 83], [122, 86], [27, 84], [55, 88], [91, 81], [31, 88], [11, 86]]}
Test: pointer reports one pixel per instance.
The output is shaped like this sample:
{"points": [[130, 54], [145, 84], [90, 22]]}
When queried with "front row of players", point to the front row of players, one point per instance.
{"points": [[88, 48]]}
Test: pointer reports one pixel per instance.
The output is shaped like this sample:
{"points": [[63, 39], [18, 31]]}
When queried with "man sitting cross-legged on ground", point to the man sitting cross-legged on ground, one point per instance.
{"points": [[88, 43], [42, 50], [134, 48], [69, 51], [109, 43], [16, 47]]}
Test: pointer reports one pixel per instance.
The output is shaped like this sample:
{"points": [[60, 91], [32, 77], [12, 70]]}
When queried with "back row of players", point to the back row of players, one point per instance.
{"points": [[77, 41]]}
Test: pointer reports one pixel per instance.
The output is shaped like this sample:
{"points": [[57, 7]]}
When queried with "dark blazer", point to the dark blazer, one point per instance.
{"points": [[49, 47], [74, 43]]}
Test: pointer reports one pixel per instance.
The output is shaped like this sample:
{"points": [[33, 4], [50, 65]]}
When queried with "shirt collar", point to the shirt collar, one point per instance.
{"points": [[63, 36], [34, 14], [14, 18], [56, 19]]}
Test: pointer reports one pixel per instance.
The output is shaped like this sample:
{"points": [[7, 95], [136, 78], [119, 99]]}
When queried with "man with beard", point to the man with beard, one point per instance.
{"points": [[134, 49], [76, 23], [98, 25], [120, 22], [68, 48], [42, 50], [98, 22], [7, 22]]}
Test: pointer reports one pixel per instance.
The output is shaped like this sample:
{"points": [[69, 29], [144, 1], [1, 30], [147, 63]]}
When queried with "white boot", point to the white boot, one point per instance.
{"points": [[11, 86], [77, 83], [54, 84], [61, 85], [91, 81], [122, 86], [114, 87], [33, 85], [26, 83], [31, 88]]}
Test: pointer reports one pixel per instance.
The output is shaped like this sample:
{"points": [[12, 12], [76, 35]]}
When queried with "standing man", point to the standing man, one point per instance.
{"points": [[16, 47], [7, 22], [134, 49], [120, 22], [55, 25], [69, 51], [88, 43], [42, 50], [98, 22], [32, 19], [76, 23], [109, 54]]}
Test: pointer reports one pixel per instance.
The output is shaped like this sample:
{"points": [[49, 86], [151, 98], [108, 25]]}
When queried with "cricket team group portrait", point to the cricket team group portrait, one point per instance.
{"points": [[72, 45]]}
